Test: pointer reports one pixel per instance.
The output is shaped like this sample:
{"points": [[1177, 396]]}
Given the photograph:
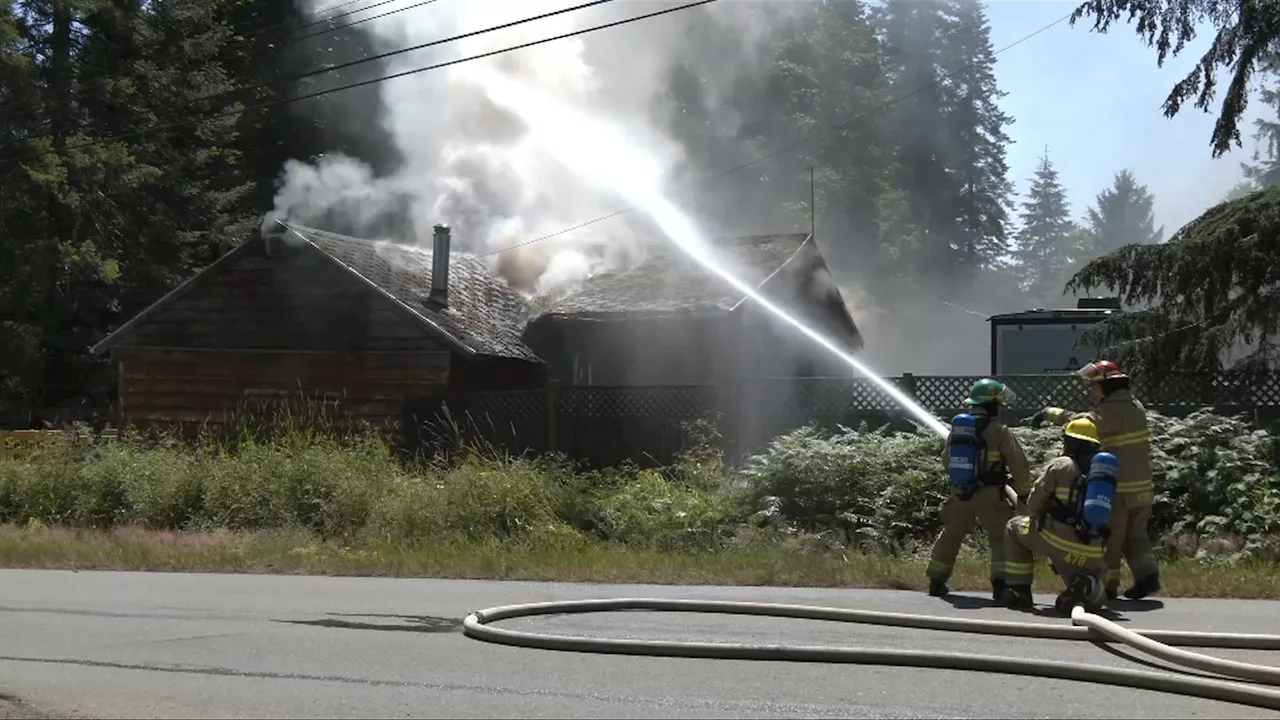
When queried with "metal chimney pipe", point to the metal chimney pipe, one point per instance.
{"points": [[440, 266]]}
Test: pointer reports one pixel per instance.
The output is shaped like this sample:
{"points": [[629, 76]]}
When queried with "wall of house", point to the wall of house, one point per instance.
{"points": [[195, 386], [771, 348], [264, 330], [636, 351]]}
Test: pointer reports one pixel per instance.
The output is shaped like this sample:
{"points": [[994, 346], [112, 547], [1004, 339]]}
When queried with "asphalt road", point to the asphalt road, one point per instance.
{"points": [[125, 645]]}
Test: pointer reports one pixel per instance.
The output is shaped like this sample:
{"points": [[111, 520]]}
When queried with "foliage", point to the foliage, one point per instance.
{"points": [[1210, 290], [1123, 215], [865, 489], [1246, 33], [1048, 240]]}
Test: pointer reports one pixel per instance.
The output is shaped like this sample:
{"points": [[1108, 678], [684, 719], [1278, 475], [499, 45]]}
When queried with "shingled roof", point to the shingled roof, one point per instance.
{"points": [[484, 317], [669, 282], [483, 314]]}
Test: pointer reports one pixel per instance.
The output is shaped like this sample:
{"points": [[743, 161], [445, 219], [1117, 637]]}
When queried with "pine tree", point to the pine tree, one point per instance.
{"points": [[1246, 33], [1048, 237], [1211, 288], [833, 75], [1123, 215], [1265, 170], [913, 36], [980, 141]]}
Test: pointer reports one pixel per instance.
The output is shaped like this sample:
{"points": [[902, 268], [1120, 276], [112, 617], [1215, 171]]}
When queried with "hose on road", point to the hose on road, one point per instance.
{"points": [[1086, 626]]}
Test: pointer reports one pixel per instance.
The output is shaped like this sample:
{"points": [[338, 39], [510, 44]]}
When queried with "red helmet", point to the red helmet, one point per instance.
{"points": [[1099, 370]]}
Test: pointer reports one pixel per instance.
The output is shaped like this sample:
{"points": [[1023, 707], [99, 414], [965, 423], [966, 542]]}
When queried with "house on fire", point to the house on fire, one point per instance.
{"points": [[359, 324], [668, 321], [377, 327]]}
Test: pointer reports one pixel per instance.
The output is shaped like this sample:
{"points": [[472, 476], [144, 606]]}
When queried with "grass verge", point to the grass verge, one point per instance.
{"points": [[298, 552]]}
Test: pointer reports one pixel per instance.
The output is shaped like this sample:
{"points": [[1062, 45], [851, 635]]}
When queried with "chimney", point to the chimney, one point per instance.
{"points": [[440, 267]]}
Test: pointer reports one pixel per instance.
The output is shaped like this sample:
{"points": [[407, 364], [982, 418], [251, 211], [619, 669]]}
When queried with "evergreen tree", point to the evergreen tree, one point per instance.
{"points": [[1246, 34], [1123, 215], [1048, 240], [913, 36], [980, 141], [832, 75]]}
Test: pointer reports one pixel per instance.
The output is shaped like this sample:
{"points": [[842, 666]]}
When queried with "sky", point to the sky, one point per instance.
{"points": [[1095, 101]]}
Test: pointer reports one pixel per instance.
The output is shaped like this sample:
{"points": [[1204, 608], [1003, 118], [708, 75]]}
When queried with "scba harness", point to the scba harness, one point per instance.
{"points": [[1087, 508], [968, 466]]}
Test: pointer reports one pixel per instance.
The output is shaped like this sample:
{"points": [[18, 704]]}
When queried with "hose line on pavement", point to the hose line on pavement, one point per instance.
{"points": [[1088, 626]]}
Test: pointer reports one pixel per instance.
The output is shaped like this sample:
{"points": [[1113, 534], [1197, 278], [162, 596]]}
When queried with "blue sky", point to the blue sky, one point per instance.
{"points": [[1095, 101]]}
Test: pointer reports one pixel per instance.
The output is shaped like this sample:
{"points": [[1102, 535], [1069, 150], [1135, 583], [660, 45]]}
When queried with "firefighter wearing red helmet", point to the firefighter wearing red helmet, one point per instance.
{"points": [[1122, 427]]}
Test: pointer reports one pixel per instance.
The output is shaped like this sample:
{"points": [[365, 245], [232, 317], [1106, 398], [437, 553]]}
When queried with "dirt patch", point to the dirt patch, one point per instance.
{"points": [[11, 708]]}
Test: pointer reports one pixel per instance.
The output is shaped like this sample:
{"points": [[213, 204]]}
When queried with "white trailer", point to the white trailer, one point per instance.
{"points": [[1046, 342]]}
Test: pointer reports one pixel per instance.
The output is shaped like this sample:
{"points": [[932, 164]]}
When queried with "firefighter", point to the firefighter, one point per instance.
{"points": [[1053, 525], [1003, 463], [1122, 424]]}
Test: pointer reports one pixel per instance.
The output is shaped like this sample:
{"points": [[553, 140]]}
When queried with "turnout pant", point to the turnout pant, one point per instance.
{"points": [[1023, 542], [988, 508], [1129, 540]]}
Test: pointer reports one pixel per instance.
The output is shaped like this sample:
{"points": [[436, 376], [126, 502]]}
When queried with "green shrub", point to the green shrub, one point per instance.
{"points": [[872, 487], [1215, 479]]}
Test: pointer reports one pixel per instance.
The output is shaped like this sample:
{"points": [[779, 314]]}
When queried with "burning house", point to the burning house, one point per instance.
{"points": [[358, 324], [669, 321]]}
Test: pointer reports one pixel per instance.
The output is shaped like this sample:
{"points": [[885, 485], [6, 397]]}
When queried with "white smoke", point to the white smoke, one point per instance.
{"points": [[469, 163]]}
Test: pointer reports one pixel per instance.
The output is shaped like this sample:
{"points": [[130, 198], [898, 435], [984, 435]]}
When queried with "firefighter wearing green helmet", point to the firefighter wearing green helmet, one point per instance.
{"points": [[998, 460]]}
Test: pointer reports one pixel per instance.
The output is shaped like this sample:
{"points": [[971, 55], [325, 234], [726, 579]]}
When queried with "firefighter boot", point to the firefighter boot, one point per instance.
{"points": [[1083, 590], [997, 589], [1144, 587], [938, 588], [1018, 597]]}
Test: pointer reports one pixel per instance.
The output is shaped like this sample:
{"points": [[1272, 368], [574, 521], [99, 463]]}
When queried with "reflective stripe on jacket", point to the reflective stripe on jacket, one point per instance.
{"points": [[1122, 427], [1056, 481]]}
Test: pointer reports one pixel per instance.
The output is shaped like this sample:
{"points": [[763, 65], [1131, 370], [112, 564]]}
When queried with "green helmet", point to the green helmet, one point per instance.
{"points": [[988, 390]]}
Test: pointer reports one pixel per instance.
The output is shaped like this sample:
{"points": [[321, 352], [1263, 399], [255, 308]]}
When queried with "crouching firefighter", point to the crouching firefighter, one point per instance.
{"points": [[1067, 518], [1122, 426], [982, 456]]}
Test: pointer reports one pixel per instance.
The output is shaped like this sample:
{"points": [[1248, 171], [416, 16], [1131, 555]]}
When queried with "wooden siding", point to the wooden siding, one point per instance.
{"points": [[637, 351], [301, 301], [183, 386]]}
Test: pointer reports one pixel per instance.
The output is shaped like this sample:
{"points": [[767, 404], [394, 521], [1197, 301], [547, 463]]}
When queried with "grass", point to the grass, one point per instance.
{"points": [[297, 552], [857, 509]]}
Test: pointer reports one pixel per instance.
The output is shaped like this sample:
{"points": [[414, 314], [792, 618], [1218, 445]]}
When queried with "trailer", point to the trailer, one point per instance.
{"points": [[1047, 342]]}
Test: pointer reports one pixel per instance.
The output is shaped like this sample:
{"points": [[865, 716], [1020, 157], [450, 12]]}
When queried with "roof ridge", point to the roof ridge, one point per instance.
{"points": [[453, 252]]}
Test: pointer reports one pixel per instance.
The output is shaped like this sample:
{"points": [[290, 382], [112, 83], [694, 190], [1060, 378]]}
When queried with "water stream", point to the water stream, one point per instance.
{"points": [[601, 153]]}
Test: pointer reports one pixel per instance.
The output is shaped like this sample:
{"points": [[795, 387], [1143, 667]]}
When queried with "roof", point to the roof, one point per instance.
{"points": [[1064, 314], [484, 316], [668, 282]]}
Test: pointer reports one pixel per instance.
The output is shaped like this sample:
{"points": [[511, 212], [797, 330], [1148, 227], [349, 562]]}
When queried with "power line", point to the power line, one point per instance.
{"points": [[101, 91], [413, 48], [353, 23], [788, 148], [374, 81]]}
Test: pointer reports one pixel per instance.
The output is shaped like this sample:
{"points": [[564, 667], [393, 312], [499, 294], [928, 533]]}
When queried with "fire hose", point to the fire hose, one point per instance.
{"points": [[1085, 626]]}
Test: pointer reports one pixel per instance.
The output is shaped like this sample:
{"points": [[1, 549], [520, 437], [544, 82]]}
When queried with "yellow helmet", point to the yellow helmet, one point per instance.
{"points": [[1082, 429]]}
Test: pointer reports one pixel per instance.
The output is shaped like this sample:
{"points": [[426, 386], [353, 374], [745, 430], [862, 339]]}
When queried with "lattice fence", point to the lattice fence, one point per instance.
{"points": [[518, 405], [675, 402], [606, 425]]}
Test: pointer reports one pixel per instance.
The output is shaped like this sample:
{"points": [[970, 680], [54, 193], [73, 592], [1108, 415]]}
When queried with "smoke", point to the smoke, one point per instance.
{"points": [[470, 163]]}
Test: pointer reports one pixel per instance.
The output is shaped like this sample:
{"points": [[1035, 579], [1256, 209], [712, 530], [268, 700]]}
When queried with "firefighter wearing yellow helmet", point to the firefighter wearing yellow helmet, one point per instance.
{"points": [[995, 460], [1122, 427], [1062, 521]]}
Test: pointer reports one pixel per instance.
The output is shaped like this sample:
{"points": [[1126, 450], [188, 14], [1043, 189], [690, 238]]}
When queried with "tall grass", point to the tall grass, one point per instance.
{"points": [[860, 490]]}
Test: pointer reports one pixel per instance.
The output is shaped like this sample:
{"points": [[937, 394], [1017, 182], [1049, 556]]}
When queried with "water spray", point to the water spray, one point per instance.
{"points": [[602, 154]]}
